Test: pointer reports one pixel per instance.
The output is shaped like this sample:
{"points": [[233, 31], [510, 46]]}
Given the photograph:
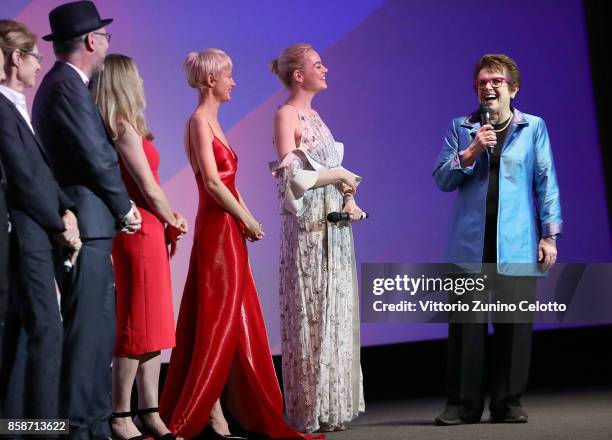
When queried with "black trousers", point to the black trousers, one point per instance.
{"points": [[33, 339], [467, 381], [467, 377], [88, 309], [4, 268]]}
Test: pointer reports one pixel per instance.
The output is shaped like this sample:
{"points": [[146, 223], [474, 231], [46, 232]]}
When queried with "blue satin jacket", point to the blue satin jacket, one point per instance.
{"points": [[529, 206]]}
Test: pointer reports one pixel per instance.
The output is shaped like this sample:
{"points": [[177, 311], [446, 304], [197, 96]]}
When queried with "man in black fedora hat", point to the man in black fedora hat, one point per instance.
{"points": [[86, 166]]}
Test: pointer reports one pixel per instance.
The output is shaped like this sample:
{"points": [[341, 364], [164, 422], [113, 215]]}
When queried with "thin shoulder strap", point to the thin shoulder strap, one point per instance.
{"points": [[211, 129], [189, 136]]}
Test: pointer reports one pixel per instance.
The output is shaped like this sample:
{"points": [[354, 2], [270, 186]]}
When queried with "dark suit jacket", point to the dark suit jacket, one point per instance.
{"points": [[83, 156], [4, 238], [35, 200]]}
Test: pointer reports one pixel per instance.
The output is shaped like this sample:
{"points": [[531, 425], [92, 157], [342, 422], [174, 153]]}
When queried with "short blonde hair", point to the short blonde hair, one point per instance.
{"points": [[198, 66], [120, 95], [290, 60]]}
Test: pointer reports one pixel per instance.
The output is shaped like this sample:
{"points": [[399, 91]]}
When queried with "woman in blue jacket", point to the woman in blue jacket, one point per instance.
{"points": [[507, 213]]}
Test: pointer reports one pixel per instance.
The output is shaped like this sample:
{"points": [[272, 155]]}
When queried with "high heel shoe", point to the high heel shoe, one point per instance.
{"points": [[147, 429], [211, 434], [120, 415]]}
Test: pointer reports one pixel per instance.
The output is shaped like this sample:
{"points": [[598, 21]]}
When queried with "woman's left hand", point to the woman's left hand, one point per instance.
{"points": [[352, 209], [547, 253]]}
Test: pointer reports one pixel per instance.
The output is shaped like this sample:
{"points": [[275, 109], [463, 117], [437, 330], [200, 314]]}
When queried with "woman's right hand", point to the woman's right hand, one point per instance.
{"points": [[349, 179], [254, 230], [485, 137]]}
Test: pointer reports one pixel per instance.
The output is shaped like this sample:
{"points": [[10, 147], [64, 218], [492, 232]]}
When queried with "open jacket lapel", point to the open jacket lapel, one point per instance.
{"points": [[27, 128]]}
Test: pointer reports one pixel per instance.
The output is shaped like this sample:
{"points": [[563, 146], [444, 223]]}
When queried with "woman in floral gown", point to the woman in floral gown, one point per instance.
{"points": [[318, 286]]}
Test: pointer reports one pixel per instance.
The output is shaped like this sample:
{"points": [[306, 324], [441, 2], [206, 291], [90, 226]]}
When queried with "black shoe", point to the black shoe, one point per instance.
{"points": [[148, 429], [210, 433], [450, 417], [513, 414], [120, 415]]}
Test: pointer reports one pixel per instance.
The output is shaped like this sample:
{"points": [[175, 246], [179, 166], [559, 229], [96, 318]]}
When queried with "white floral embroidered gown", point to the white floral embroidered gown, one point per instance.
{"points": [[318, 288]]}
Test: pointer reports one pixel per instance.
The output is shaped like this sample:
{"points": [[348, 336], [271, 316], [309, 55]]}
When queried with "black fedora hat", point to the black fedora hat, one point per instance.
{"points": [[73, 19]]}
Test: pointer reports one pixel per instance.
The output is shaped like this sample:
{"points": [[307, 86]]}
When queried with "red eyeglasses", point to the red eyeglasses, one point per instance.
{"points": [[496, 82]]}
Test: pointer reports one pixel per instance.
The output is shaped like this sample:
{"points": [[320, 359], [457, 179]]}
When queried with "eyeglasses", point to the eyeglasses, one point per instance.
{"points": [[496, 82], [104, 34], [36, 55]]}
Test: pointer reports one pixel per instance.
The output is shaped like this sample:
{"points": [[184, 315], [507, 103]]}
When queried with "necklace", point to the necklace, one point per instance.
{"points": [[505, 125]]}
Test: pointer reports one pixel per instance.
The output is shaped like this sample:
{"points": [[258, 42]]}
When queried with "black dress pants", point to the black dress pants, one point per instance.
{"points": [[4, 271], [467, 377], [466, 369], [88, 309], [32, 351]]}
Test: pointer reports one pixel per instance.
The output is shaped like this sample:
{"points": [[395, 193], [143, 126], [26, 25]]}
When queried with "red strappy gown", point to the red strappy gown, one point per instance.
{"points": [[221, 340]]}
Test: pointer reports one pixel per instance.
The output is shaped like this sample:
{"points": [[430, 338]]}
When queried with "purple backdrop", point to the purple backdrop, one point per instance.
{"points": [[399, 71]]}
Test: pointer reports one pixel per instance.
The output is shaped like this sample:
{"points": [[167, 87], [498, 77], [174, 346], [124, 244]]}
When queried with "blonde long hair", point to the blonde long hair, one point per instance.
{"points": [[120, 95]]}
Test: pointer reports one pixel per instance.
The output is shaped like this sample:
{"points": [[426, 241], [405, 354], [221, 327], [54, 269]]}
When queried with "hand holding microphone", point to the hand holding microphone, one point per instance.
{"points": [[485, 138], [336, 217], [489, 138], [350, 213]]}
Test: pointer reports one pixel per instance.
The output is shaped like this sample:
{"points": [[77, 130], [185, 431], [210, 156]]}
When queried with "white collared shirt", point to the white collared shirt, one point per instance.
{"points": [[19, 100], [84, 77]]}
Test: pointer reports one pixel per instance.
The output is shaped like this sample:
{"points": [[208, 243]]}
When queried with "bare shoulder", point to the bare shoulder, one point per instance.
{"points": [[286, 115], [200, 125], [198, 118]]}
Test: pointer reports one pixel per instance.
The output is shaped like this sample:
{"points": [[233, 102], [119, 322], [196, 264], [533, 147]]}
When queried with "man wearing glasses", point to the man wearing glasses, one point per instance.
{"points": [[87, 168]]}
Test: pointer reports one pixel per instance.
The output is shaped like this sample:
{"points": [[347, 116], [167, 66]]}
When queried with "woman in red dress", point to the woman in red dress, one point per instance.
{"points": [[221, 341], [145, 318]]}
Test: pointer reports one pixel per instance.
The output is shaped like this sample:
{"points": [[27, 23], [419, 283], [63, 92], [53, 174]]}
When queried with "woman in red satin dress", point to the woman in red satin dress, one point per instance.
{"points": [[145, 317], [221, 341]]}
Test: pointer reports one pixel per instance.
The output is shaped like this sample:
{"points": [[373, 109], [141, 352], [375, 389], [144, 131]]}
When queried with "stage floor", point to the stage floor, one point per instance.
{"points": [[555, 415]]}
